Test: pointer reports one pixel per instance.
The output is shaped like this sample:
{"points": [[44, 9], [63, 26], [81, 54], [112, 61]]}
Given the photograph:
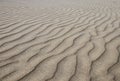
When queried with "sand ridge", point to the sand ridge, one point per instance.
{"points": [[63, 43]]}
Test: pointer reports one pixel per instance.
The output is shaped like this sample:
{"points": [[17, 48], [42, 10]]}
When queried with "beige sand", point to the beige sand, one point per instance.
{"points": [[59, 40]]}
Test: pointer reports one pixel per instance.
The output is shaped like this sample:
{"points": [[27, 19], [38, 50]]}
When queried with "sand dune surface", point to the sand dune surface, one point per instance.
{"points": [[59, 40]]}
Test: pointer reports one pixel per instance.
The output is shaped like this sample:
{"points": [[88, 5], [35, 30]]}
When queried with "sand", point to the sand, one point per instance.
{"points": [[59, 40]]}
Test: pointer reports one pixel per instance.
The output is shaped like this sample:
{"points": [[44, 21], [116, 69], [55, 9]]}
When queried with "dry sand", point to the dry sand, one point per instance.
{"points": [[59, 40]]}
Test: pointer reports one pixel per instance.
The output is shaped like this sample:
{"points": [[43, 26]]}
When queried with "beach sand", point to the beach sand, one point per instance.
{"points": [[59, 40]]}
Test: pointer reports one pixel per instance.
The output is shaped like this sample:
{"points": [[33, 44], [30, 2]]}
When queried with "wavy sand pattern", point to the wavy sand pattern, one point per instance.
{"points": [[60, 43]]}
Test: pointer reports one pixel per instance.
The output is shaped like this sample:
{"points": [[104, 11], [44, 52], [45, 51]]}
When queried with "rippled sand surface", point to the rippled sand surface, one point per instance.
{"points": [[65, 40]]}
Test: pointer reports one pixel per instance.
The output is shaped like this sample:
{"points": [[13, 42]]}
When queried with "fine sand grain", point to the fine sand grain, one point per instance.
{"points": [[59, 40]]}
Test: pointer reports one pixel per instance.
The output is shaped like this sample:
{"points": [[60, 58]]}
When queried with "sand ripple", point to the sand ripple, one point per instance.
{"points": [[60, 44]]}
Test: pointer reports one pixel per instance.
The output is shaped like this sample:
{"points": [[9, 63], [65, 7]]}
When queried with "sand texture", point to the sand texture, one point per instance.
{"points": [[59, 40]]}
